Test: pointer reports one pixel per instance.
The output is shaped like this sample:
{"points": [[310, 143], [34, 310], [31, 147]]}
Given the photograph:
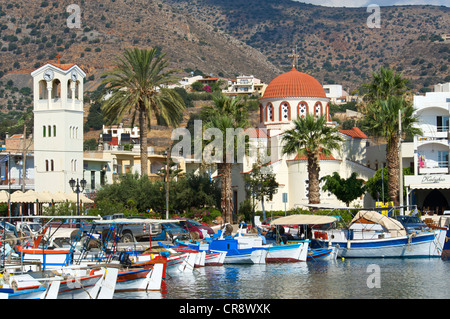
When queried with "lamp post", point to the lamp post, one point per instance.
{"points": [[78, 187]]}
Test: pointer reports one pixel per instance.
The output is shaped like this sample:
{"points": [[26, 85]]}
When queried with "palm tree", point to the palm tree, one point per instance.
{"points": [[226, 113], [137, 86], [382, 120], [311, 137], [385, 83]]}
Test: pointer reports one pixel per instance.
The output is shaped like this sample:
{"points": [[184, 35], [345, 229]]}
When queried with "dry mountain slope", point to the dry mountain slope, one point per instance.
{"points": [[33, 32]]}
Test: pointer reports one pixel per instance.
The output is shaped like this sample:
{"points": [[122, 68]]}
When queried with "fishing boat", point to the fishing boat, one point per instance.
{"points": [[374, 235], [62, 285], [276, 252], [204, 257], [305, 222]]}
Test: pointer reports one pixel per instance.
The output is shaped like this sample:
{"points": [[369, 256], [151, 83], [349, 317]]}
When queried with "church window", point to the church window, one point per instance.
{"points": [[302, 109], [54, 130], [56, 89], [261, 113], [77, 89], [43, 94], [318, 109], [285, 112], [306, 188], [46, 165], [69, 89], [52, 165], [269, 112], [43, 131], [49, 131]]}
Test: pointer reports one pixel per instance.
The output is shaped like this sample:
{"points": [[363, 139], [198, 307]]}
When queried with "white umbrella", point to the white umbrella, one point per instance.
{"points": [[59, 197], [72, 197], [44, 197]]}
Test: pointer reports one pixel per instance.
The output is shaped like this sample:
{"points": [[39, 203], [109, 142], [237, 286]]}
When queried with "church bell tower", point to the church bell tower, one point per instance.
{"points": [[58, 126]]}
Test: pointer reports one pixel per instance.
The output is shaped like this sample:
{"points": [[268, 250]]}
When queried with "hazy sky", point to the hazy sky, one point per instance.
{"points": [[365, 3]]}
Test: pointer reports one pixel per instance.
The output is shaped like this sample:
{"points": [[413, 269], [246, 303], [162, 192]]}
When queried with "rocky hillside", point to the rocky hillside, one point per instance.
{"points": [[222, 37]]}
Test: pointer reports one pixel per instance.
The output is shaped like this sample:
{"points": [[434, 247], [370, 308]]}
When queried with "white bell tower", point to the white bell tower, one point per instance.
{"points": [[58, 126]]}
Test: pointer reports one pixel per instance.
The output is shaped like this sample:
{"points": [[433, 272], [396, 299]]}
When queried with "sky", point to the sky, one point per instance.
{"points": [[381, 3]]}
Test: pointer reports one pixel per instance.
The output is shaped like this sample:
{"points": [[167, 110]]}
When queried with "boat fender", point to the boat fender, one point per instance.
{"points": [[348, 244], [165, 254]]}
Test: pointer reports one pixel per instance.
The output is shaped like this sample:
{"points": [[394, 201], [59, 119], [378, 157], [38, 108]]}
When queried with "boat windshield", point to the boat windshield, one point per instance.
{"points": [[409, 219]]}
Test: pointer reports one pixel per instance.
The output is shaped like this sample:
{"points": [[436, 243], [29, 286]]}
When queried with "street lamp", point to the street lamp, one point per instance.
{"points": [[78, 187]]}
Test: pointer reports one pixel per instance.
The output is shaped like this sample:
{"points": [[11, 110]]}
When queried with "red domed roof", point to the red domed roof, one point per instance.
{"points": [[294, 84]]}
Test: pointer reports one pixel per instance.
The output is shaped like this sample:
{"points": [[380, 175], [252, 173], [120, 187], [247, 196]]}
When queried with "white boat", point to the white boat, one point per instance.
{"points": [[373, 235], [290, 252]]}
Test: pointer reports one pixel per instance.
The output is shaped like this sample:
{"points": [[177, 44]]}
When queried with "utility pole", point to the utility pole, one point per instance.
{"points": [[168, 180], [400, 165], [24, 154]]}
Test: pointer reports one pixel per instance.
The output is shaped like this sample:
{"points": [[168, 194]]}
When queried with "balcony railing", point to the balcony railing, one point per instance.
{"points": [[434, 167]]}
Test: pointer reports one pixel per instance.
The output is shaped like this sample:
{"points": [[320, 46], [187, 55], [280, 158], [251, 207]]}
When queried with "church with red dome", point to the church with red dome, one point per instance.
{"points": [[289, 96]]}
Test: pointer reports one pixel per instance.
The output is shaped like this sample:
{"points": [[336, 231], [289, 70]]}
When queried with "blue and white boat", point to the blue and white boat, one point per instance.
{"points": [[327, 252], [374, 235]]}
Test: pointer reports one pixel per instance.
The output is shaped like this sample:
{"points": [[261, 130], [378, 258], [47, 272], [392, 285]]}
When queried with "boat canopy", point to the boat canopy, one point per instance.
{"points": [[393, 226], [303, 219]]}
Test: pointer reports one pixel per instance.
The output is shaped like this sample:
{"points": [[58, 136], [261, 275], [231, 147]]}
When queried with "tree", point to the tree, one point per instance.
{"points": [[346, 190], [226, 113], [261, 183], [384, 84], [382, 119], [137, 85], [311, 137]]}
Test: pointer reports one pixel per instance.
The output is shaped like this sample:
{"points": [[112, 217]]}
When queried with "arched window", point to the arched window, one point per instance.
{"points": [[43, 94], [77, 89], [69, 89], [52, 165], [285, 111], [318, 110], [54, 130], [46, 165], [49, 131], [56, 89], [269, 112], [328, 112], [302, 109], [261, 113], [44, 131]]}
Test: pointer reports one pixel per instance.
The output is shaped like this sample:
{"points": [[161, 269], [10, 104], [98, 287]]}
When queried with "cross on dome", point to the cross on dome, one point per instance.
{"points": [[293, 56]]}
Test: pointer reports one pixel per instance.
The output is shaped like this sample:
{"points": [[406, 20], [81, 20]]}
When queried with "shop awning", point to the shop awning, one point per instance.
{"points": [[430, 186]]}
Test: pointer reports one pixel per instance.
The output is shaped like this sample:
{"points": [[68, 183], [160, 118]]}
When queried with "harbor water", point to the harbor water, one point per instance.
{"points": [[420, 278]]}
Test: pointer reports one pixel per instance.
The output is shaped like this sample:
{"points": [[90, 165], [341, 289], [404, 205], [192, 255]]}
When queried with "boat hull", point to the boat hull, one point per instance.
{"points": [[429, 244], [317, 254], [291, 252]]}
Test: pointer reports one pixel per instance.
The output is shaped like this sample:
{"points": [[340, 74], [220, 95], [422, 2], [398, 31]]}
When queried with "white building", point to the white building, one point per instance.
{"points": [[246, 85], [338, 95], [287, 97], [429, 187], [114, 137], [58, 126]]}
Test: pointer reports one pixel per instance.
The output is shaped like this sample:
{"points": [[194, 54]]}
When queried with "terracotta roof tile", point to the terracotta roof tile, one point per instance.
{"points": [[354, 132], [294, 84], [64, 67]]}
